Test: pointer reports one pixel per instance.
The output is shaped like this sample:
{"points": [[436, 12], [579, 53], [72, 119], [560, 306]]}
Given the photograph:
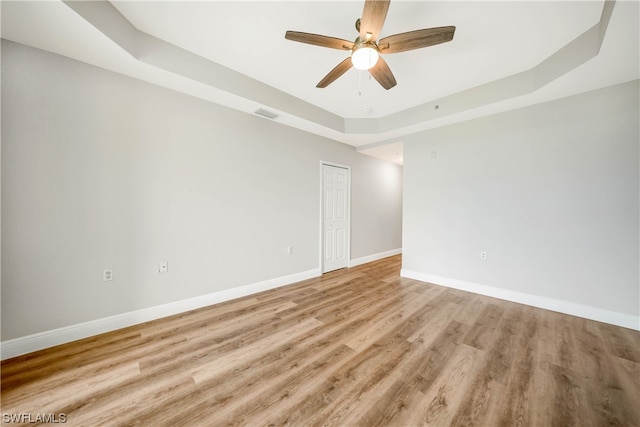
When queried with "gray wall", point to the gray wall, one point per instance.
{"points": [[104, 171], [550, 192]]}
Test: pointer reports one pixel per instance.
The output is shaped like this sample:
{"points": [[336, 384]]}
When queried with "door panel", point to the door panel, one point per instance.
{"points": [[335, 217], [340, 244]]}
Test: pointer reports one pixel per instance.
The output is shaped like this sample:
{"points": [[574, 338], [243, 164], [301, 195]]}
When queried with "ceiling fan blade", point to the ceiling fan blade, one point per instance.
{"points": [[416, 39], [382, 73], [318, 40], [373, 16], [339, 70]]}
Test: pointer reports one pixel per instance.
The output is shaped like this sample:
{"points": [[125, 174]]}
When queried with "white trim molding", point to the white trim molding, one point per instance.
{"points": [[374, 257], [41, 340], [560, 306]]}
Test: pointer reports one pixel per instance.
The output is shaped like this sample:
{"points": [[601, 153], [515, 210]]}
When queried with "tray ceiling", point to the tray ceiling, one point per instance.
{"points": [[504, 55]]}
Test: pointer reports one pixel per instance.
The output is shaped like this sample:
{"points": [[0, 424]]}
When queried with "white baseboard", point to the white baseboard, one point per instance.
{"points": [[561, 306], [27, 344], [374, 257]]}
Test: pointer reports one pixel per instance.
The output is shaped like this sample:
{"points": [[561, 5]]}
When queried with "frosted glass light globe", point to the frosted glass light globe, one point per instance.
{"points": [[364, 58]]}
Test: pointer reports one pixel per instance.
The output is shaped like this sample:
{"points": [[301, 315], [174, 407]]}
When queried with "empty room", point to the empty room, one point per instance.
{"points": [[336, 213]]}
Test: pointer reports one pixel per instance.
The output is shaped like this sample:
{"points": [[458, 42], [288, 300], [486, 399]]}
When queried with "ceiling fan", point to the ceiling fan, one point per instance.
{"points": [[366, 49]]}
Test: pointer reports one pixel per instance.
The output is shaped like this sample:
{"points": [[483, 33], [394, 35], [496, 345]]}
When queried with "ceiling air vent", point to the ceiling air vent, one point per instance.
{"points": [[265, 113]]}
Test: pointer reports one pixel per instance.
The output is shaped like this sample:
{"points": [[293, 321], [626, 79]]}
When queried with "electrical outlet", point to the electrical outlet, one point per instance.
{"points": [[107, 275], [163, 267], [289, 250], [483, 255]]}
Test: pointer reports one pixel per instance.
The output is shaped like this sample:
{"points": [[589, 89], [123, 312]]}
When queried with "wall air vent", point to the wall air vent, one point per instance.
{"points": [[265, 113]]}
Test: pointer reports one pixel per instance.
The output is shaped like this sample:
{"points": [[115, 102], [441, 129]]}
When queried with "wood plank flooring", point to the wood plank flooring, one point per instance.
{"points": [[355, 347]]}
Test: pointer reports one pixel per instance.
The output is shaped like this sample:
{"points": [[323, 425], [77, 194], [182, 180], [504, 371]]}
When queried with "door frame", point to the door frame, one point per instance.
{"points": [[321, 232]]}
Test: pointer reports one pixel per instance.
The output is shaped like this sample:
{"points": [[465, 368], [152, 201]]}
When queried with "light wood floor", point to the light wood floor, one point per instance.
{"points": [[356, 347]]}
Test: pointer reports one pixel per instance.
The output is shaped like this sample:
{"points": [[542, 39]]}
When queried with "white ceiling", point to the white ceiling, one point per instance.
{"points": [[504, 55]]}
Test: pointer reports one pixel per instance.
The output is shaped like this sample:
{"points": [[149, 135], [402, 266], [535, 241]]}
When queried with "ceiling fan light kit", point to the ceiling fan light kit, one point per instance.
{"points": [[366, 52], [364, 56]]}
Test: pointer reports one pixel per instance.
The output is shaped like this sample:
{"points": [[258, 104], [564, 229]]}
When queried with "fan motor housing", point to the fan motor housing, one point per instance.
{"points": [[359, 43]]}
